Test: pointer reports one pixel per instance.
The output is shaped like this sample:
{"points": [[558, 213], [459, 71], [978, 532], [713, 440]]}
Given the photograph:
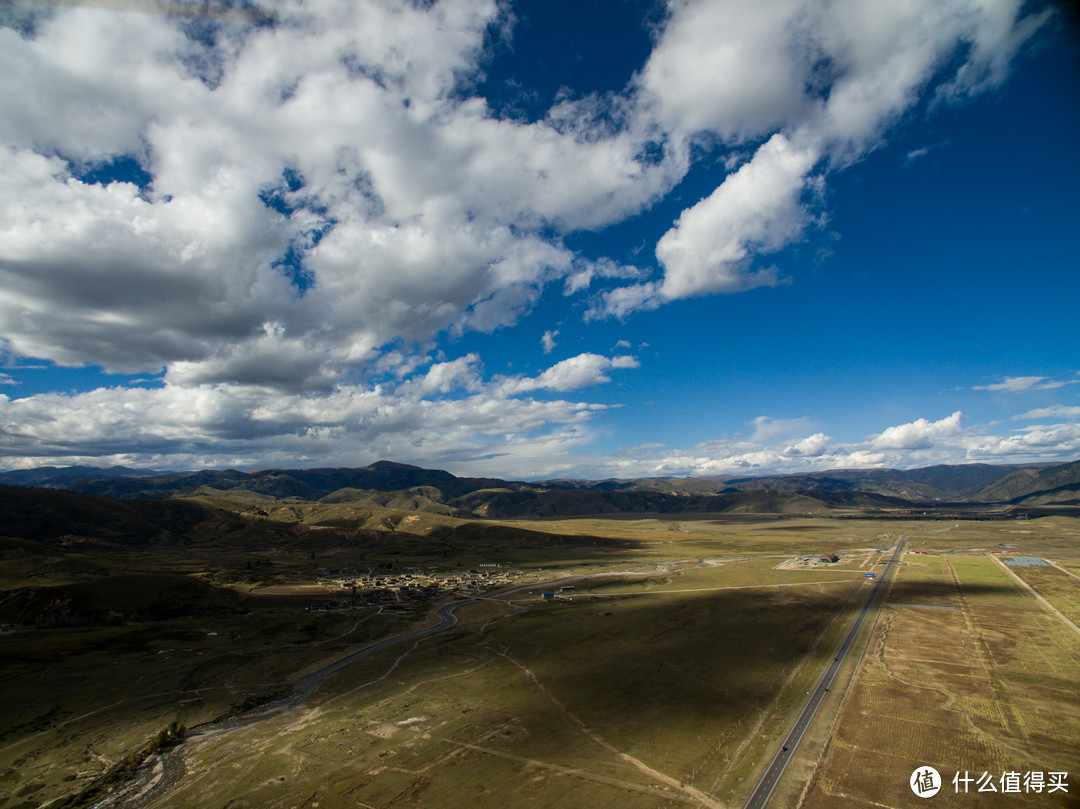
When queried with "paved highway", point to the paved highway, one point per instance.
{"points": [[764, 789]]}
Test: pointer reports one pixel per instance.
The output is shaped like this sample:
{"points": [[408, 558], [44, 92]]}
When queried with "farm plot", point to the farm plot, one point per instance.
{"points": [[1056, 586], [991, 687]]}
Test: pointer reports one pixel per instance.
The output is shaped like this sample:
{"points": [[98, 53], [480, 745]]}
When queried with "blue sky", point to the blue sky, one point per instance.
{"points": [[541, 239]]}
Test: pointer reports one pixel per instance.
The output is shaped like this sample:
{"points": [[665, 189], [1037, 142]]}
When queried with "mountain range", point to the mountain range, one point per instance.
{"points": [[929, 483], [413, 488]]}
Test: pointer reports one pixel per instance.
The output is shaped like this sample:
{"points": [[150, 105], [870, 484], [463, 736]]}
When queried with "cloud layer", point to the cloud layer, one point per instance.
{"points": [[445, 416], [330, 184], [818, 86], [288, 217], [449, 418]]}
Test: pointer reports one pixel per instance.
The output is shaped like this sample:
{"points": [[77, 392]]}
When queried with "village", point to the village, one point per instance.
{"points": [[412, 587]]}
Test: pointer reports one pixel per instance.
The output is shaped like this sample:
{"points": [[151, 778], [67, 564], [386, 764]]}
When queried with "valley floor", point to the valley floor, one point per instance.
{"points": [[666, 678]]}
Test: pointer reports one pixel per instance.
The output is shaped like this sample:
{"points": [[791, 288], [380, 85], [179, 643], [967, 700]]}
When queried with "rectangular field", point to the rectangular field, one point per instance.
{"points": [[992, 687]]}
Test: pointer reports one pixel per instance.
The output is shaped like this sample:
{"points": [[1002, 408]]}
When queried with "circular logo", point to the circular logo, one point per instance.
{"points": [[925, 782]]}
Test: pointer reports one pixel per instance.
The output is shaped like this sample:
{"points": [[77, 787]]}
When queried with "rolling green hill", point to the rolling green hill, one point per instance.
{"points": [[418, 498], [943, 482], [45, 514], [1026, 482], [1067, 495], [404, 488], [509, 504], [116, 599], [304, 484]]}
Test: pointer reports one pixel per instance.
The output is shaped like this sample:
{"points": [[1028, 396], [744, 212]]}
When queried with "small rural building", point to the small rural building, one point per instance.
{"points": [[829, 557]]}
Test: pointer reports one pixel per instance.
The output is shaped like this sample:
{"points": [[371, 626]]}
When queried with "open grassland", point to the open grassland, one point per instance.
{"points": [[1056, 586], [1056, 538], [709, 534], [747, 572], [966, 672], [668, 680], [79, 700], [634, 701]]}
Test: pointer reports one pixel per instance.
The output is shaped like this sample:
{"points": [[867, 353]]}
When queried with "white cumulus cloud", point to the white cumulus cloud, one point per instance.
{"points": [[918, 434], [582, 371], [224, 424], [818, 85], [314, 202], [547, 342]]}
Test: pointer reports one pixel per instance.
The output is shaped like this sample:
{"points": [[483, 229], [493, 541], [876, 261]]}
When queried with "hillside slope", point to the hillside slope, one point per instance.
{"points": [[407, 488], [43, 514], [305, 484], [53, 477], [1026, 482], [1067, 495], [942, 482], [510, 504]]}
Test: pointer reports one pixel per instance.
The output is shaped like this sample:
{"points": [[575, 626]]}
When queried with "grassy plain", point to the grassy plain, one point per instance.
{"points": [[629, 700], [966, 672], [667, 680], [1056, 586]]}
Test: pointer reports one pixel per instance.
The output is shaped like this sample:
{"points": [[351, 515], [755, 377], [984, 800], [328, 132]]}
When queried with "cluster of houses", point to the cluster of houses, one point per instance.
{"points": [[413, 588]]}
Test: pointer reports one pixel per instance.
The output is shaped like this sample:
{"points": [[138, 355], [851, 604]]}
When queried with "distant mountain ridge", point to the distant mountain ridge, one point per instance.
{"points": [[941, 482], [305, 484], [1025, 482], [566, 502], [413, 488], [64, 477]]}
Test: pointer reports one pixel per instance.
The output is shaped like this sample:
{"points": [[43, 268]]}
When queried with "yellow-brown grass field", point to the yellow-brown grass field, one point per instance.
{"points": [[668, 679], [966, 673]]}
